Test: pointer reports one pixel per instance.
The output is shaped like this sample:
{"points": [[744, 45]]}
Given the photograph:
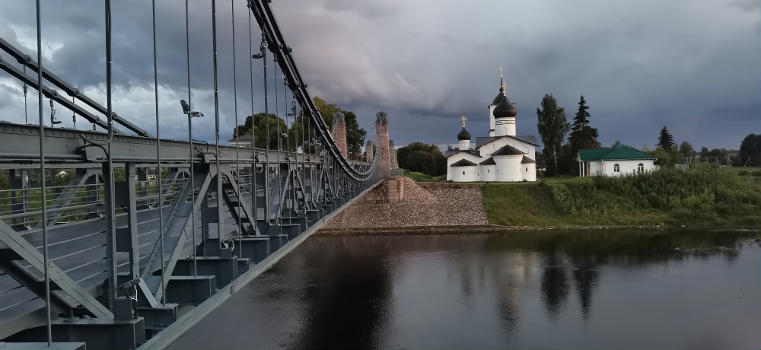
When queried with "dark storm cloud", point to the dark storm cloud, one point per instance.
{"points": [[690, 65]]}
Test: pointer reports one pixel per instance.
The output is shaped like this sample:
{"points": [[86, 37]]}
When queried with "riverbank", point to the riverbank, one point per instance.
{"points": [[416, 205], [701, 197], [704, 196]]}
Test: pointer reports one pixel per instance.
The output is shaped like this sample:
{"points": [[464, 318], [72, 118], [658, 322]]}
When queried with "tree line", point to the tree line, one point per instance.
{"points": [[283, 136], [559, 157]]}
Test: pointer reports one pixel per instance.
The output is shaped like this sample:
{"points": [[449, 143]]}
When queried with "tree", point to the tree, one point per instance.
{"points": [[583, 136], [423, 158], [704, 154], [686, 150], [259, 123], [553, 127], [666, 157], [665, 139], [617, 144], [750, 151]]}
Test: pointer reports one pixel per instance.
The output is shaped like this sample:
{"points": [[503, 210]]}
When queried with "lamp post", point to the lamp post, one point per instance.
{"points": [[191, 114]]}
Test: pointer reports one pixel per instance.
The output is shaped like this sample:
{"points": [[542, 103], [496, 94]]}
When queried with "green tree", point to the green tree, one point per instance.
{"points": [[276, 128], [618, 144], [423, 158], [704, 154], [553, 127], [666, 157], [750, 151], [583, 136], [665, 139], [686, 150]]}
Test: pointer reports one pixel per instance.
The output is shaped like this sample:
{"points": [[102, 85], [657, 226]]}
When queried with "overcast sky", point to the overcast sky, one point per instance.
{"points": [[691, 65]]}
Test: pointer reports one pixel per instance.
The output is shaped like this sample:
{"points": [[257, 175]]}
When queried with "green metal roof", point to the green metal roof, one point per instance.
{"points": [[623, 152]]}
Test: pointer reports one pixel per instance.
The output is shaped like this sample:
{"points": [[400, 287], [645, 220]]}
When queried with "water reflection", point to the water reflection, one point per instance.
{"points": [[518, 289], [554, 284], [349, 296], [583, 252]]}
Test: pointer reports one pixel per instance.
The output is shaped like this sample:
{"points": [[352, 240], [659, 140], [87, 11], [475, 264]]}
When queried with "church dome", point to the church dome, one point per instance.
{"points": [[505, 109], [499, 97], [463, 135]]}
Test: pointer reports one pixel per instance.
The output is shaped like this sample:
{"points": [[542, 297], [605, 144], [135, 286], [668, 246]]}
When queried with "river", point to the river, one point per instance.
{"points": [[517, 289]]}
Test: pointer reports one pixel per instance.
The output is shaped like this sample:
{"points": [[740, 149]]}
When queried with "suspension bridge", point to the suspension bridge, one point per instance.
{"points": [[116, 238]]}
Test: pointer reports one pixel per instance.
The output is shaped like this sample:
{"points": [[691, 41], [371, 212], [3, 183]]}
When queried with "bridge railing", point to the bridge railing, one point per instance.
{"points": [[190, 223]]}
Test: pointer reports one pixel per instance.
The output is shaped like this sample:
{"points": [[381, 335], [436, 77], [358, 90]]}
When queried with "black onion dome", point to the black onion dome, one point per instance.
{"points": [[463, 135], [499, 97], [505, 109]]}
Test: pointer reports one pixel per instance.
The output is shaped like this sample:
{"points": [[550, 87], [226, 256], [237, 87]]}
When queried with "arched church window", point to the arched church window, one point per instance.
{"points": [[640, 168], [616, 168], [463, 172]]}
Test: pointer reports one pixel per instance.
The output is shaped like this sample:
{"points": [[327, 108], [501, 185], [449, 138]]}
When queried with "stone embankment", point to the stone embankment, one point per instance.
{"points": [[402, 205]]}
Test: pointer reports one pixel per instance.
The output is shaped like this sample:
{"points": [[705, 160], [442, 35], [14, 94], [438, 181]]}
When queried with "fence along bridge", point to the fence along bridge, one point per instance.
{"points": [[112, 259]]}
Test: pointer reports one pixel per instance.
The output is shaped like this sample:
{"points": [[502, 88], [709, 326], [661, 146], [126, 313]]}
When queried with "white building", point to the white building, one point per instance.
{"points": [[244, 140], [615, 161], [502, 156]]}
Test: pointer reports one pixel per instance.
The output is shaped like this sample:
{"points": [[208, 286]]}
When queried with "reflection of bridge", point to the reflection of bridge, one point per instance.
{"points": [[113, 259]]}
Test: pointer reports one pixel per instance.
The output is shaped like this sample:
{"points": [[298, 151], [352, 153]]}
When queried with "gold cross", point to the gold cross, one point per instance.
{"points": [[463, 121], [500, 71]]}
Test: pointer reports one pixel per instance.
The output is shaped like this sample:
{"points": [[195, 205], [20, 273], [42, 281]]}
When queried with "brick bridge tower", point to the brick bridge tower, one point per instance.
{"points": [[339, 133], [381, 137], [392, 155]]}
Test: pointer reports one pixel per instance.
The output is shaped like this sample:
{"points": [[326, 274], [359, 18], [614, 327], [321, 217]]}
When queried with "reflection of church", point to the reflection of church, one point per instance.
{"points": [[502, 156]]}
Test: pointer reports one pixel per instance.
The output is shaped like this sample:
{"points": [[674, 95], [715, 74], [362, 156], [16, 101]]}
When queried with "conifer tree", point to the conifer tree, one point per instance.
{"points": [[582, 136], [665, 139]]}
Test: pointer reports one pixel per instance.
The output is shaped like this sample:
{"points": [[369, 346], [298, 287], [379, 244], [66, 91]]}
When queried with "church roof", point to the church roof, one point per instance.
{"points": [[617, 153], [508, 150], [464, 134], [530, 139], [470, 151], [505, 109], [462, 162], [527, 160], [489, 161], [499, 97]]}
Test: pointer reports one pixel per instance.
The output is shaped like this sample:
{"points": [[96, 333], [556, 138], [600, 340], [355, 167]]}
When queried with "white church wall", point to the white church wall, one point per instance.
{"points": [[488, 172], [465, 173], [457, 157], [505, 126], [508, 168], [528, 171]]}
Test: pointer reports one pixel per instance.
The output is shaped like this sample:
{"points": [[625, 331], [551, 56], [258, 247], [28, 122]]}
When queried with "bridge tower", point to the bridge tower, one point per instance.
{"points": [[392, 154], [381, 129], [339, 133]]}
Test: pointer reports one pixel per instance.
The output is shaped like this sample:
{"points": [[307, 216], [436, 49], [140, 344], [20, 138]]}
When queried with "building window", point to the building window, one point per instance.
{"points": [[616, 168], [488, 171], [641, 168], [463, 173]]}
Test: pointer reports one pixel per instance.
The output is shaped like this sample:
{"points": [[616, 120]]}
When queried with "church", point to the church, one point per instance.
{"points": [[502, 156]]}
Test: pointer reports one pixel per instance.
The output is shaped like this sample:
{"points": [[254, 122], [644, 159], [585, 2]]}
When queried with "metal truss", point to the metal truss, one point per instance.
{"points": [[113, 255]]}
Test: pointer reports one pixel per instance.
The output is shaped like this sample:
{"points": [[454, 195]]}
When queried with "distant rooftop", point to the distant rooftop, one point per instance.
{"points": [[620, 153]]}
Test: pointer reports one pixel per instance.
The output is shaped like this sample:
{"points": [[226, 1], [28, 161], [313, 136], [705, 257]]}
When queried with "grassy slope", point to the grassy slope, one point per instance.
{"points": [[701, 197], [422, 177]]}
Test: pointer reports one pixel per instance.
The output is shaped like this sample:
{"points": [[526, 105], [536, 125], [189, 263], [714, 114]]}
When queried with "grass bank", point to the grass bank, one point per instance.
{"points": [[423, 177], [703, 196]]}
